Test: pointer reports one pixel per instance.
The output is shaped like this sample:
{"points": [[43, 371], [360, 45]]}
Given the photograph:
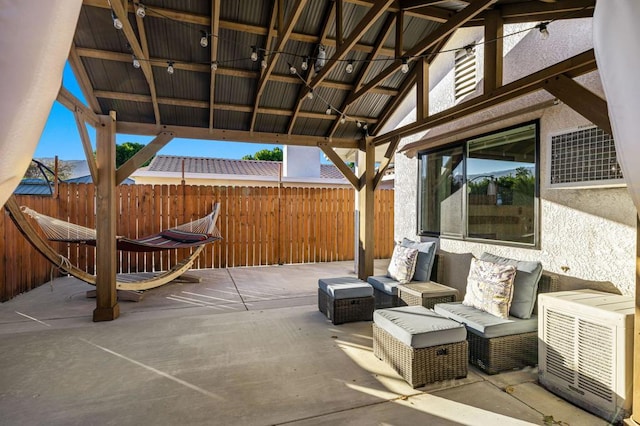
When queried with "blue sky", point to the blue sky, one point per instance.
{"points": [[60, 136]]}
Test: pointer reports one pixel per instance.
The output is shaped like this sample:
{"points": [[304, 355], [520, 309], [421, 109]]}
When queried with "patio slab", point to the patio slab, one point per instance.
{"points": [[261, 355]]}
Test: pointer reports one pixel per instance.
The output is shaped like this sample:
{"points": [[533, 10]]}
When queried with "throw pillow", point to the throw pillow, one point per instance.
{"points": [[403, 264], [426, 256], [490, 287], [525, 285]]}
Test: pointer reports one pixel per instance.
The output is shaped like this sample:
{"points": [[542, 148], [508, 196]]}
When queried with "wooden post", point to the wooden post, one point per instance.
{"points": [[635, 414], [422, 89], [493, 33], [366, 163], [107, 308]]}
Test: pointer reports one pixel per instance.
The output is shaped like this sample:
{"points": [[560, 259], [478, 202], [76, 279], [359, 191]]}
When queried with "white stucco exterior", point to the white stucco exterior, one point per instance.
{"points": [[587, 236]]}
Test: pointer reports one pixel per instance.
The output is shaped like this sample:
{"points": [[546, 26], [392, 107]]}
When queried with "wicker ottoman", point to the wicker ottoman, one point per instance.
{"points": [[422, 346], [345, 299]]}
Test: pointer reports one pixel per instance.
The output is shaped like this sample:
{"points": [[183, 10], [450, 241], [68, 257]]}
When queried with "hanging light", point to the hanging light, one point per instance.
{"points": [[329, 110], [349, 68], [117, 23], [140, 11], [305, 64], [292, 69], [136, 62], [469, 49], [358, 124], [310, 94], [204, 40], [170, 69], [254, 53], [320, 60], [343, 119], [364, 126], [263, 63], [214, 66], [405, 66], [544, 32]]}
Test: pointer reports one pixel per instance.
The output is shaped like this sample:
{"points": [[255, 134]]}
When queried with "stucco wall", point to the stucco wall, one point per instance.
{"points": [[587, 236]]}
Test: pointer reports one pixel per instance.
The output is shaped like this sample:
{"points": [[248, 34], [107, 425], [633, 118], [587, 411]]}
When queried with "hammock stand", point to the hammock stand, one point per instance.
{"points": [[151, 243]]}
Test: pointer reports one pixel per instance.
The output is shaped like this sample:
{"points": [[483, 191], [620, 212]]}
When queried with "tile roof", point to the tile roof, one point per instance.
{"points": [[226, 166]]}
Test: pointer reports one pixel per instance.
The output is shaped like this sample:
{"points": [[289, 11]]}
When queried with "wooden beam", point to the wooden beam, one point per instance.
{"points": [[384, 164], [341, 165], [145, 50], [82, 78], [213, 42], [366, 196], [341, 51], [577, 65], [122, 14], [86, 146], [74, 104], [399, 34], [583, 101], [107, 308], [433, 38], [366, 66], [413, 4], [339, 23], [493, 51], [142, 156], [232, 135], [283, 37], [328, 20], [422, 89]]}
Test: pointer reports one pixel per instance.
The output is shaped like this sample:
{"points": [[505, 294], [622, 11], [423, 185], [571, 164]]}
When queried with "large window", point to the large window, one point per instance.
{"points": [[482, 188]]}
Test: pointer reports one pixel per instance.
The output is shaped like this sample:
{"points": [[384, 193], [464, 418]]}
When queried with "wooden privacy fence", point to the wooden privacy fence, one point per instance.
{"points": [[260, 226]]}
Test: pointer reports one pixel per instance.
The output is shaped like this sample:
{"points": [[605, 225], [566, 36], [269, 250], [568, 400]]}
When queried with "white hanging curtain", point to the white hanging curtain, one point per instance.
{"points": [[616, 32], [35, 38]]}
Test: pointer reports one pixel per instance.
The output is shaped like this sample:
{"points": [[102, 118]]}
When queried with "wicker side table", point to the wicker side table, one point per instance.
{"points": [[426, 294]]}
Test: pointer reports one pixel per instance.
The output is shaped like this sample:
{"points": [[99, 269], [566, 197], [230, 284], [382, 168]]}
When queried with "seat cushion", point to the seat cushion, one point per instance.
{"points": [[403, 264], [384, 284], [525, 285], [345, 287], [484, 324], [419, 327], [490, 287], [426, 256]]}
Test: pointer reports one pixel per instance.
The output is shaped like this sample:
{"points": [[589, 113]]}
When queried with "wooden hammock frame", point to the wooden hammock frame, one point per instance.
{"points": [[44, 248]]}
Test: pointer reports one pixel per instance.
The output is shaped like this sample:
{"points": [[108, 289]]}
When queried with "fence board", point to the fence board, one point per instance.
{"points": [[260, 226]]}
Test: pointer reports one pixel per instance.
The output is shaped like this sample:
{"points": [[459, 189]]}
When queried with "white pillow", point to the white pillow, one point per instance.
{"points": [[403, 264], [490, 287]]}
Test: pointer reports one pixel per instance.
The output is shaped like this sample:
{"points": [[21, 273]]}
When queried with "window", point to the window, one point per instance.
{"points": [[482, 188]]}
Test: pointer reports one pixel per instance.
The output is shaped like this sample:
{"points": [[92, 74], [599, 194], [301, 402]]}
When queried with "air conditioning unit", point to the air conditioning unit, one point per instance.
{"points": [[585, 350]]}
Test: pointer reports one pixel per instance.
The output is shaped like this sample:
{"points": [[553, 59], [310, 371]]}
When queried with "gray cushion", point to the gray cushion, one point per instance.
{"points": [[345, 287], [419, 327], [485, 324], [525, 285], [384, 284], [426, 256]]}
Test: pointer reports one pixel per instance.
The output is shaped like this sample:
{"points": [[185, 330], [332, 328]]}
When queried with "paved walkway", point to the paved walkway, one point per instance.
{"points": [[246, 346]]}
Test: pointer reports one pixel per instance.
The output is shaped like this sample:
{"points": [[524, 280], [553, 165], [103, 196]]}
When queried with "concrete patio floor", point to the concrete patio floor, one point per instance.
{"points": [[246, 346]]}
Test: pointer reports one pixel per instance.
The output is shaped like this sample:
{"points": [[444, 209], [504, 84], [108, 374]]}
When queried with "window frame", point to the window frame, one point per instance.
{"points": [[463, 144]]}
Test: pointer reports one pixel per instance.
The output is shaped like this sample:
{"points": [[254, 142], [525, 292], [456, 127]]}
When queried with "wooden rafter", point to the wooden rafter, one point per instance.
{"points": [[572, 67], [213, 42], [528, 11], [122, 14], [339, 22], [83, 78], [145, 50], [283, 37], [433, 38], [140, 157], [364, 70], [384, 164], [583, 101], [328, 19], [73, 104], [341, 165]]}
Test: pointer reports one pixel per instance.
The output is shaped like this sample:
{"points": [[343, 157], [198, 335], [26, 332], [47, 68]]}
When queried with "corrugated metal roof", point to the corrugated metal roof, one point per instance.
{"points": [[34, 187]]}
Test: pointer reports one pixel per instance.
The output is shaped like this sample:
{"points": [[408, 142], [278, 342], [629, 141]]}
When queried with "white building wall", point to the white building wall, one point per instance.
{"points": [[587, 236]]}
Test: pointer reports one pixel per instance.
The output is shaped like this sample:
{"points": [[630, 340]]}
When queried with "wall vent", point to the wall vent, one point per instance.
{"points": [[465, 72], [584, 157]]}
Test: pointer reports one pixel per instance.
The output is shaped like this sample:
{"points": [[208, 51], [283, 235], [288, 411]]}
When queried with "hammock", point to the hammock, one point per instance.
{"points": [[41, 245], [192, 234]]}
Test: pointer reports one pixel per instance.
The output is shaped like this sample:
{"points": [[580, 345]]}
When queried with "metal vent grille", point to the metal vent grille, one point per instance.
{"points": [[465, 72], [587, 155], [595, 359], [560, 341]]}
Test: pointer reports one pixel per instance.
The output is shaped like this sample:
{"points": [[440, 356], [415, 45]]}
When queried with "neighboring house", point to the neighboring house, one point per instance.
{"points": [[42, 187], [528, 179], [166, 169]]}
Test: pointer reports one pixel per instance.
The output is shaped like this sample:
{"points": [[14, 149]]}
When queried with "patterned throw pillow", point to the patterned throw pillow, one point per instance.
{"points": [[490, 287], [403, 264]]}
